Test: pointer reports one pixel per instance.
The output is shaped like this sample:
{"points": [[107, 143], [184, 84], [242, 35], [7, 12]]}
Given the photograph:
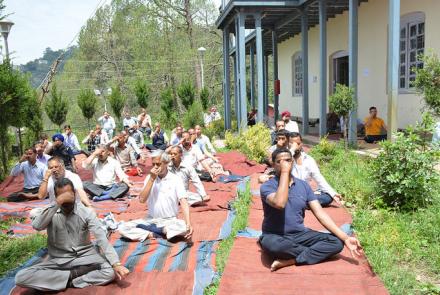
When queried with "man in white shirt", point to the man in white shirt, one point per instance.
{"points": [[163, 192], [128, 120], [107, 123], [41, 156], [291, 126], [71, 141], [33, 172], [137, 135], [282, 141], [105, 169], [56, 171], [203, 142], [176, 137], [187, 173], [144, 121], [305, 168], [212, 116]]}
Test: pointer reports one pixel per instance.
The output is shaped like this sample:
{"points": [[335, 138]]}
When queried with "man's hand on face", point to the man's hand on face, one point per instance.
{"points": [[286, 167], [154, 172], [23, 158], [139, 171], [64, 198], [48, 173], [97, 151]]}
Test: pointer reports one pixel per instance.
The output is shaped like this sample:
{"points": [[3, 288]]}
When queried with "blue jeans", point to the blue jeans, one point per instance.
{"points": [[324, 199]]}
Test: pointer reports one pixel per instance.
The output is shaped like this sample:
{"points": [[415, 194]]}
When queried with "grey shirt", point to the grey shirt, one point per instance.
{"points": [[188, 173], [68, 237]]}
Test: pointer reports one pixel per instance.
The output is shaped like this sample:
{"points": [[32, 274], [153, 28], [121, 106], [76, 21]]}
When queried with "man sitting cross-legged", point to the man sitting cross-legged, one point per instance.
{"points": [[125, 154], [33, 172], [73, 259], [105, 169], [187, 173], [284, 237], [56, 171], [163, 192]]}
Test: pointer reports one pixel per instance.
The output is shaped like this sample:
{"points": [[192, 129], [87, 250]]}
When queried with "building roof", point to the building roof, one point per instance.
{"points": [[282, 16]]}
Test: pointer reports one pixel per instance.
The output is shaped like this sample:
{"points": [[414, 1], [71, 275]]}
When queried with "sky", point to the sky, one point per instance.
{"points": [[46, 23]]}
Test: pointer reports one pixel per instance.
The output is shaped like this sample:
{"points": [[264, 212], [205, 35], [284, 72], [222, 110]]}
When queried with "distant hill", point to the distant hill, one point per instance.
{"points": [[39, 67]]}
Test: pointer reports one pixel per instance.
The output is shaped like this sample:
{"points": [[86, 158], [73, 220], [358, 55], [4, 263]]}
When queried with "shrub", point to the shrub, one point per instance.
{"points": [[186, 93], [56, 107], [142, 92], [204, 98], [253, 142], [117, 101], [342, 103], [405, 173], [168, 117], [216, 128], [347, 172], [325, 151], [87, 103], [194, 115], [427, 82]]}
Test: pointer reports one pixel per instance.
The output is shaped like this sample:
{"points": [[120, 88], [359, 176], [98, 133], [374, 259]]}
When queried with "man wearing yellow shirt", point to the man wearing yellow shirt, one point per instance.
{"points": [[375, 128]]}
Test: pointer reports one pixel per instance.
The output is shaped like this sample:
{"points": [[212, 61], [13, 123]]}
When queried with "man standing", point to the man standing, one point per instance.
{"points": [[284, 237], [163, 191], [33, 172], [107, 123], [375, 128], [187, 173], [55, 171], [290, 126], [73, 259], [105, 169], [63, 152]]}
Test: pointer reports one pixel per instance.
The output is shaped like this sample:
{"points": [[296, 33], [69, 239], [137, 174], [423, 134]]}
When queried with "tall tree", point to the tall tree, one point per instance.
{"points": [[16, 97], [117, 101], [142, 92], [56, 106], [87, 102], [186, 94]]}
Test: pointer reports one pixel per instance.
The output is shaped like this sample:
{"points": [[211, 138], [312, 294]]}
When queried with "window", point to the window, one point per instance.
{"points": [[297, 75], [412, 45]]}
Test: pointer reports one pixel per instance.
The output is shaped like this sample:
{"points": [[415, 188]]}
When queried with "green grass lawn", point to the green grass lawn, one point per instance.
{"points": [[241, 206], [403, 248], [15, 251]]}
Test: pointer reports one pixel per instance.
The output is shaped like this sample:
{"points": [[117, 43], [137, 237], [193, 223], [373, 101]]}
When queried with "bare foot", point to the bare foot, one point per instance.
{"points": [[277, 264], [206, 199]]}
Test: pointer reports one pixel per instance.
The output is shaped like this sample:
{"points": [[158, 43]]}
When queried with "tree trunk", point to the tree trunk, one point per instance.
{"points": [[346, 133], [4, 154]]}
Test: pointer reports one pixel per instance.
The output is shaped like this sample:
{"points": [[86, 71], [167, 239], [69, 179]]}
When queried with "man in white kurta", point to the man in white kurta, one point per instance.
{"points": [[163, 191]]}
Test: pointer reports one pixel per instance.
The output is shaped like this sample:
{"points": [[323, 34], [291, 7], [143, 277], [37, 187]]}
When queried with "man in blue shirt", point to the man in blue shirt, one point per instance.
{"points": [[285, 238], [33, 171]]}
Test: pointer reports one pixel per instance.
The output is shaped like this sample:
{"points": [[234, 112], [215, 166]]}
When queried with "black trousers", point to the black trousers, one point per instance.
{"points": [[18, 197], [119, 189], [307, 247], [373, 138]]}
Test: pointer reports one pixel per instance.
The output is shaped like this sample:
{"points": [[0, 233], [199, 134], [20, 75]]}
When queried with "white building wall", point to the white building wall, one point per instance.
{"points": [[372, 67]]}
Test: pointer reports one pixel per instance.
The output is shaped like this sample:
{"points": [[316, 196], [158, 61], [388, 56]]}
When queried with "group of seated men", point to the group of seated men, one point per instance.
{"points": [[75, 262]]}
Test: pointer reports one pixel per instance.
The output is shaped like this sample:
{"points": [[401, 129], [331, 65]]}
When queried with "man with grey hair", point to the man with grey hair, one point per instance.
{"points": [[73, 259], [105, 169], [187, 173], [163, 191]]}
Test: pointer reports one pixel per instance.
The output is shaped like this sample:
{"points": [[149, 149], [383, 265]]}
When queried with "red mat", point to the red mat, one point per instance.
{"points": [[248, 270], [161, 267]]}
